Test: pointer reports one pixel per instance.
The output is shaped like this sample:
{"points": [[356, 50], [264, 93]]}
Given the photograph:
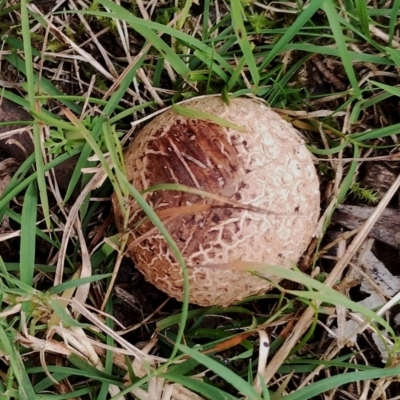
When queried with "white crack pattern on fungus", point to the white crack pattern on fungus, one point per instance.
{"points": [[267, 167]]}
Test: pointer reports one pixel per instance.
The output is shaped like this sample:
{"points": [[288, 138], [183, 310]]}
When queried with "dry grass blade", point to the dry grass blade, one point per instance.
{"points": [[73, 214], [76, 338], [82, 291], [64, 38], [262, 359], [134, 351]]}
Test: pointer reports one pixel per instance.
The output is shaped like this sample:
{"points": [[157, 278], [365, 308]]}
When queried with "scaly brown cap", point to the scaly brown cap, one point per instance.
{"points": [[267, 167]]}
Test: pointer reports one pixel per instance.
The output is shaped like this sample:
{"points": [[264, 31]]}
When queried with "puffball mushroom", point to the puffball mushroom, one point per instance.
{"points": [[264, 172]]}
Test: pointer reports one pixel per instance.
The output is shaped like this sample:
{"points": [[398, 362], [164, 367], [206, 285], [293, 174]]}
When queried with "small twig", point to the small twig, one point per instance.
{"points": [[328, 74]]}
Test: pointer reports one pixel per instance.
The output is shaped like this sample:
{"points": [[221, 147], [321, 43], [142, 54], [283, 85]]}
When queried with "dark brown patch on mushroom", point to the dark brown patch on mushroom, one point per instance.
{"points": [[198, 260], [216, 218], [197, 154], [237, 196], [191, 149], [227, 212], [227, 236]]}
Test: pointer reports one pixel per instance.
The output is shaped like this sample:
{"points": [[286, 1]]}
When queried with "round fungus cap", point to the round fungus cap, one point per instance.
{"points": [[265, 206]]}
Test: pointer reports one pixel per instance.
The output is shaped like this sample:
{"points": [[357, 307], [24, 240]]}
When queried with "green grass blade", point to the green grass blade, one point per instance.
{"points": [[168, 238], [394, 54], [41, 86], [320, 291], [169, 54], [394, 15], [126, 186], [112, 104], [395, 91], [92, 371], [184, 14], [362, 14], [144, 28], [206, 16], [377, 133], [82, 369], [25, 388], [173, 319], [47, 382], [122, 14], [32, 103], [77, 282], [280, 85], [236, 381], [209, 62], [16, 179], [205, 389], [292, 31], [6, 198], [233, 80], [109, 362], [349, 178], [237, 15], [16, 366], [5, 344], [75, 394], [18, 286], [28, 235], [58, 306], [196, 114], [333, 382], [329, 51], [332, 16]]}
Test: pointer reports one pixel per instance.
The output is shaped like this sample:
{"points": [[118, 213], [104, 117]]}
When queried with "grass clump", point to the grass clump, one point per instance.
{"points": [[330, 69]]}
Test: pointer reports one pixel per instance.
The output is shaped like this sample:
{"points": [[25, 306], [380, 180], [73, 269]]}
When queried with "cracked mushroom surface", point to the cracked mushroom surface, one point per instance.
{"points": [[267, 169]]}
